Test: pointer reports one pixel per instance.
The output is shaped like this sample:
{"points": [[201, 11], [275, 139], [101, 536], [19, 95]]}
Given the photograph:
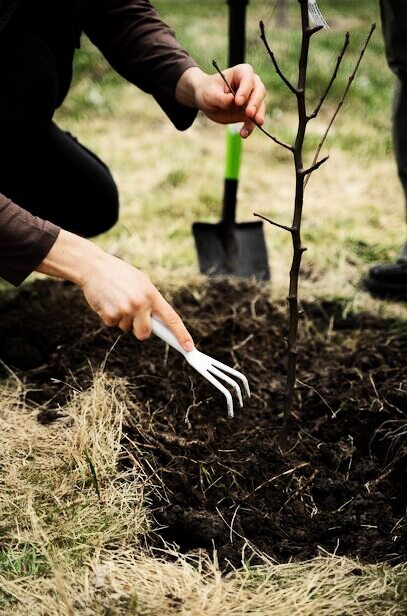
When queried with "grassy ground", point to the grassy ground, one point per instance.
{"points": [[71, 528]]}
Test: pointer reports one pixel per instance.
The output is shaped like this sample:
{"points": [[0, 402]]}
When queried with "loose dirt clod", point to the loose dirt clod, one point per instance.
{"points": [[340, 486]]}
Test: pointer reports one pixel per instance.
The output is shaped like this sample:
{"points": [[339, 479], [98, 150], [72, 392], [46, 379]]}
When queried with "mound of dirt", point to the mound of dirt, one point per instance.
{"points": [[339, 485]]}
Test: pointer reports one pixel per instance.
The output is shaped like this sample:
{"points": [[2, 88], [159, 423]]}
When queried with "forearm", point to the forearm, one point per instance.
{"points": [[71, 258]]}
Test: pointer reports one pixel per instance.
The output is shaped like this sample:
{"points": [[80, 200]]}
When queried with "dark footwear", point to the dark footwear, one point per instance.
{"points": [[387, 280]]}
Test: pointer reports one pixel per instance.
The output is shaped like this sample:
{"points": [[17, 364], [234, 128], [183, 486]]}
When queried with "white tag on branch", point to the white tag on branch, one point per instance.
{"points": [[316, 15]]}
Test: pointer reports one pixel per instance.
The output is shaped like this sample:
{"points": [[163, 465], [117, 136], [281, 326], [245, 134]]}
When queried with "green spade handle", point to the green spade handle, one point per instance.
{"points": [[233, 151]]}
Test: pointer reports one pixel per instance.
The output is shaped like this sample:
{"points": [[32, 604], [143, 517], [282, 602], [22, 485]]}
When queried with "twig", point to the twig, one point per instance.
{"points": [[241, 344], [331, 81], [232, 530], [274, 61], [342, 100], [231, 524], [318, 394], [272, 479], [300, 489], [314, 166], [375, 482], [193, 405], [272, 222]]}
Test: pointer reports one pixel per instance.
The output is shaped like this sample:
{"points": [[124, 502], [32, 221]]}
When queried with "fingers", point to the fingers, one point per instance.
{"points": [[250, 95], [222, 100], [141, 325], [244, 80], [256, 107], [126, 323], [174, 323], [251, 123], [252, 91], [247, 128], [139, 321]]}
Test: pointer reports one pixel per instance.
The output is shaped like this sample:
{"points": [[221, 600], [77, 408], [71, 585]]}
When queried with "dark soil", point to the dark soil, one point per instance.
{"points": [[341, 483]]}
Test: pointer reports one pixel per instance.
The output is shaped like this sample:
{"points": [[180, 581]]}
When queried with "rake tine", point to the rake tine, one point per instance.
{"points": [[226, 393], [228, 380], [235, 373]]}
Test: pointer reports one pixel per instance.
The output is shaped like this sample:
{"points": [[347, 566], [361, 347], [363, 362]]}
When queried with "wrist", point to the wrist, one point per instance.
{"points": [[72, 258], [188, 85]]}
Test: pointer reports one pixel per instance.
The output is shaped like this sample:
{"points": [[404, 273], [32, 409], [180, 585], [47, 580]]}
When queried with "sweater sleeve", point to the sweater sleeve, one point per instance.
{"points": [[143, 49], [25, 241]]}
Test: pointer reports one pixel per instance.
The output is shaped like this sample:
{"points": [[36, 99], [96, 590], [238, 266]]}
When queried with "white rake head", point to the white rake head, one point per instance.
{"points": [[211, 369]]}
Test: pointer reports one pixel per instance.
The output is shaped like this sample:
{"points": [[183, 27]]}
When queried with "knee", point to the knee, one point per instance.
{"points": [[104, 213], [108, 210]]}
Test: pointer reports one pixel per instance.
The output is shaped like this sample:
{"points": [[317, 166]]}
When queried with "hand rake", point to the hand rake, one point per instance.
{"points": [[211, 369]]}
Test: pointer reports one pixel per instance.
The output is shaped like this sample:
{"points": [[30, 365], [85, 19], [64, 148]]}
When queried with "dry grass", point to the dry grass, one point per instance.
{"points": [[63, 497], [72, 526]]}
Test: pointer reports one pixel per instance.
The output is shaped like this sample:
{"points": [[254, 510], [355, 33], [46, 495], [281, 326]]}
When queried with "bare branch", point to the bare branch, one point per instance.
{"points": [[314, 166], [276, 224], [333, 77], [310, 31], [283, 144], [350, 80], [274, 61]]}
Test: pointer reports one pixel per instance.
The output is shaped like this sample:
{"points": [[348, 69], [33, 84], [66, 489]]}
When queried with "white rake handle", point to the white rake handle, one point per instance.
{"points": [[162, 331]]}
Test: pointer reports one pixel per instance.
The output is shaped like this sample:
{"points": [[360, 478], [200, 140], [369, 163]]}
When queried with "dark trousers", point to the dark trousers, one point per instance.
{"points": [[394, 23], [42, 168]]}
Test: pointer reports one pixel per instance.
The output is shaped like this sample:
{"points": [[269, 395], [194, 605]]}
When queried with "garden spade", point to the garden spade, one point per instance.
{"points": [[227, 247]]}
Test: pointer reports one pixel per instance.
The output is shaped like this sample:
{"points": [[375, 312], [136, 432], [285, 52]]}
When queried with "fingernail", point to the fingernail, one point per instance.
{"points": [[244, 133], [188, 346]]}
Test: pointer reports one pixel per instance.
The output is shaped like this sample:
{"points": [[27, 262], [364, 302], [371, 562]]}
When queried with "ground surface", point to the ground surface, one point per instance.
{"points": [[341, 486]]}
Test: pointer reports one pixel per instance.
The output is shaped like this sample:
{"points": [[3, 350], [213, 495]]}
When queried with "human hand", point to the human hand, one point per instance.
{"points": [[125, 297], [120, 294], [210, 94]]}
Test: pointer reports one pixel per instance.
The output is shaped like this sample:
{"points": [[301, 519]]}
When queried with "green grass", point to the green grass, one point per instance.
{"points": [[26, 561]]}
